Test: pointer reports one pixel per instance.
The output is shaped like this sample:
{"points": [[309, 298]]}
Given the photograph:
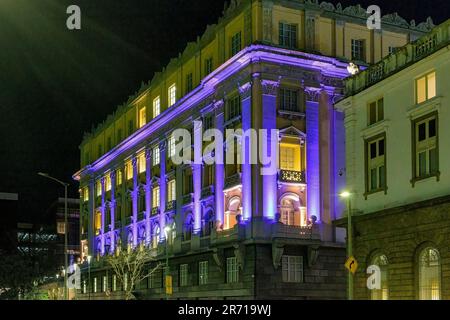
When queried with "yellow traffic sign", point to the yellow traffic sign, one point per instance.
{"points": [[169, 288], [352, 264]]}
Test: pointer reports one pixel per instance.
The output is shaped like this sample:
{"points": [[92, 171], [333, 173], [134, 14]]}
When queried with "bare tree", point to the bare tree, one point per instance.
{"points": [[130, 267]]}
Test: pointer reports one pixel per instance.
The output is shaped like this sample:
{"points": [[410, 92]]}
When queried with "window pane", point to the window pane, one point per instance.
{"points": [[431, 85], [432, 128], [422, 164], [381, 147], [373, 150], [382, 175], [422, 132], [421, 90], [433, 161], [373, 179], [380, 110], [373, 113]]}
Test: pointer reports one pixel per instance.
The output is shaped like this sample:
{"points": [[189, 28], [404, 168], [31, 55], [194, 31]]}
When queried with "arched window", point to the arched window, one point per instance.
{"points": [[155, 236], [292, 212], [381, 261], [287, 212], [172, 233], [208, 223], [234, 209], [188, 228], [429, 274]]}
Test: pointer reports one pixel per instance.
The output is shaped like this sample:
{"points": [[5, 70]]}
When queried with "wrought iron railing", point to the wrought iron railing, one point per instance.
{"points": [[233, 181], [188, 198], [171, 205], [292, 176], [155, 211], [141, 216]]}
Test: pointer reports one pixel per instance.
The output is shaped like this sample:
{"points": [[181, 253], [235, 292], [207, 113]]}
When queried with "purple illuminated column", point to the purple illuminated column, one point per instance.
{"points": [[312, 153], [134, 199], [220, 168], [162, 190], [246, 100], [103, 213], [269, 122], [148, 195], [91, 224], [113, 210], [197, 175]]}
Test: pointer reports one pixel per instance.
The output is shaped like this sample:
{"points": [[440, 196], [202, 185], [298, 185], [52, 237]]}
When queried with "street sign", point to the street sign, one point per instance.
{"points": [[352, 265], [169, 289]]}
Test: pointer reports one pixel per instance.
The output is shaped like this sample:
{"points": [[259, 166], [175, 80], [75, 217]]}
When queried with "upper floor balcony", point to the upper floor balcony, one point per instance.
{"points": [[280, 230], [289, 176]]}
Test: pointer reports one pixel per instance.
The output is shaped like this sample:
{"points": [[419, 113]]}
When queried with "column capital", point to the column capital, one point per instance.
{"points": [[245, 90], [134, 162], [162, 145], [270, 87], [312, 94], [148, 153]]}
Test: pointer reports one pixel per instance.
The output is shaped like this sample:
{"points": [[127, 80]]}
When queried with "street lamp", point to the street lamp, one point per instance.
{"points": [[89, 276], [46, 175], [347, 195], [167, 231]]}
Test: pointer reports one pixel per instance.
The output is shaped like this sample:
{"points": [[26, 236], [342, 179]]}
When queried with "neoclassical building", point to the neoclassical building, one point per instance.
{"points": [[396, 116], [226, 230]]}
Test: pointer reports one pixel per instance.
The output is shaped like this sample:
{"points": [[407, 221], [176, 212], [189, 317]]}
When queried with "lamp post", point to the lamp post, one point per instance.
{"points": [[167, 231], [347, 195], [89, 276], [46, 175]]}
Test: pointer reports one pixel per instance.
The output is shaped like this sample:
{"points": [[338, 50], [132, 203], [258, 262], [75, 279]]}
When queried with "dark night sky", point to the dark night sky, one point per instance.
{"points": [[55, 83]]}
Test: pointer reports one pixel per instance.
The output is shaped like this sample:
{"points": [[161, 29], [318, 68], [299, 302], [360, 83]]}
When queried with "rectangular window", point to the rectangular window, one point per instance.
{"points": [[105, 284], [290, 157], [203, 272], [142, 117], [236, 43], [171, 190], [376, 164], [125, 281], [60, 227], [376, 111], [189, 83], [98, 188], [183, 275], [232, 270], [141, 162], [234, 108], [86, 194], [152, 279], [358, 50], [156, 156], [171, 147], [118, 177], [392, 50], [95, 285], [156, 106], [288, 35], [114, 283], [98, 222], [129, 170], [84, 287], [107, 182], [155, 198], [426, 87], [208, 66], [292, 268], [426, 147], [289, 100], [172, 95]]}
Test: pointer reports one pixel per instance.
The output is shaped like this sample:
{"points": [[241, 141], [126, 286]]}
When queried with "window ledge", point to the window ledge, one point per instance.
{"points": [[374, 129], [420, 109], [415, 180], [369, 193], [291, 114]]}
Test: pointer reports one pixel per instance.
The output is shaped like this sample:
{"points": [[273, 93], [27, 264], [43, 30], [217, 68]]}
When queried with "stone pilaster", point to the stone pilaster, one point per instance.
{"points": [[197, 176], [113, 210], [162, 190], [220, 168], [134, 199], [148, 195]]}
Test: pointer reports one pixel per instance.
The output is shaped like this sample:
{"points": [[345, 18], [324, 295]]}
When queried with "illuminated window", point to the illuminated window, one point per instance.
{"points": [[98, 222], [236, 43], [125, 282], [203, 272], [232, 270], [381, 261], [426, 146], [288, 35], [183, 275], [155, 198], [86, 194], [289, 157], [95, 285], [129, 170], [376, 164], [155, 236], [172, 95], [60, 227], [234, 209], [107, 182], [171, 146], [208, 66], [105, 284], [429, 275], [156, 156], [84, 287], [287, 212], [292, 268], [426, 87], [376, 111], [142, 117], [156, 106], [119, 177], [358, 50], [98, 188], [114, 283], [171, 188], [189, 83], [141, 162]]}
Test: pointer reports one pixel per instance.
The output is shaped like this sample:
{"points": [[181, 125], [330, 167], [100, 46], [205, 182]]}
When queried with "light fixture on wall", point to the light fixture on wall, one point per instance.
{"points": [[352, 68]]}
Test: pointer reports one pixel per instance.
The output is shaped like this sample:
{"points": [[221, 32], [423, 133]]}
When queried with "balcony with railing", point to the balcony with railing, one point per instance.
{"points": [[289, 176], [171, 205], [155, 211], [413, 52], [141, 216], [280, 230], [230, 235]]}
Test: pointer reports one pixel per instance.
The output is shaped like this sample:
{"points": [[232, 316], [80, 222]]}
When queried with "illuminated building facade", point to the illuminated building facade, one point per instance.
{"points": [[396, 119], [230, 232]]}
